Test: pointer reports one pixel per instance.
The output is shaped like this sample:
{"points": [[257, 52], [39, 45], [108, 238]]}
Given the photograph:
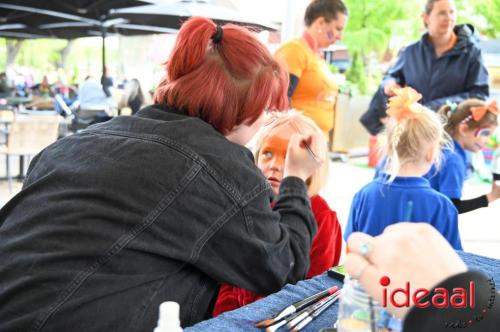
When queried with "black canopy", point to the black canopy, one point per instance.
{"points": [[68, 19]]}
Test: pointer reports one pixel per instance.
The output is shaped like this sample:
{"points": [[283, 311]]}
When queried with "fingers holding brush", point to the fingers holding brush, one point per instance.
{"points": [[304, 156]]}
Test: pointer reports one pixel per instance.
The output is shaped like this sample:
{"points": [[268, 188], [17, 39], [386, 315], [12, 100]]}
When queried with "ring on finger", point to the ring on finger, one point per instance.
{"points": [[365, 249]]}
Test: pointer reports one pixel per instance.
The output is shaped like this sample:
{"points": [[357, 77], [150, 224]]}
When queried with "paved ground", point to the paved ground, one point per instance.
{"points": [[480, 229]]}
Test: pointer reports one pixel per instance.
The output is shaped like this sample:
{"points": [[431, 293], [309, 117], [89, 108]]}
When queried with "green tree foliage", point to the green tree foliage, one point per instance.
{"points": [[40, 53], [372, 22], [490, 10], [357, 74], [371, 25]]}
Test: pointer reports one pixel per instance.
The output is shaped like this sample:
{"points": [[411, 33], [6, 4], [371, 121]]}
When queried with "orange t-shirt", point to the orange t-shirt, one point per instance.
{"points": [[316, 91]]}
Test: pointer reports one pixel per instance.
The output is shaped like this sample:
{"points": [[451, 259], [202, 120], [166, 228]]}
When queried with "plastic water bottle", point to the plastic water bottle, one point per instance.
{"points": [[169, 318], [360, 313], [496, 167]]}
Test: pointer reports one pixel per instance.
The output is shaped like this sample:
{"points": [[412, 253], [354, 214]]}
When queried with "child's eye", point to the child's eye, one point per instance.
{"points": [[267, 154], [483, 132]]}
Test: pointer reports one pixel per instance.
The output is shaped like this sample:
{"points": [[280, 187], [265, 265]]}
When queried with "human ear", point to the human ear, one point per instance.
{"points": [[425, 19], [463, 129], [319, 22], [430, 154]]}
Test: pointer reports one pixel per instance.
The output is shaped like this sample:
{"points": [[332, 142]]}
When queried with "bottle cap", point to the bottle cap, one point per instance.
{"points": [[169, 317]]}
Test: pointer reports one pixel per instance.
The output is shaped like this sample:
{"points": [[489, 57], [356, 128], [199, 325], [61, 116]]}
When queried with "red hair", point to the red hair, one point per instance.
{"points": [[225, 84]]}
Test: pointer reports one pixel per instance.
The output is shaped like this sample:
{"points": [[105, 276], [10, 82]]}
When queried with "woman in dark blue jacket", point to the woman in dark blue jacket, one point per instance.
{"points": [[444, 65]]}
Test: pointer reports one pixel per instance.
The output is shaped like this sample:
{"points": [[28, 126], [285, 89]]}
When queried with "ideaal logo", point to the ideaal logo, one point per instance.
{"points": [[439, 298]]}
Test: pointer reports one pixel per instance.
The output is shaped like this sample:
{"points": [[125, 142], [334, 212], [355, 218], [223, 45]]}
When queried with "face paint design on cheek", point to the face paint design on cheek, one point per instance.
{"points": [[330, 35]]}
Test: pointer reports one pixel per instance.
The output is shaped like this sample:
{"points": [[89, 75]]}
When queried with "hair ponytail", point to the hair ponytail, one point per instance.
{"points": [[411, 131], [444, 111], [222, 75], [186, 56]]}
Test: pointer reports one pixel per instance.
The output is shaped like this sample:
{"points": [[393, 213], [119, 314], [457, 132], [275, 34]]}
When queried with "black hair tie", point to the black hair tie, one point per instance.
{"points": [[217, 37]]}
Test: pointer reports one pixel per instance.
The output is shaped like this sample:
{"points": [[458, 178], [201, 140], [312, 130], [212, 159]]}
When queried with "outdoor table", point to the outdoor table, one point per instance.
{"points": [[244, 319], [15, 101]]}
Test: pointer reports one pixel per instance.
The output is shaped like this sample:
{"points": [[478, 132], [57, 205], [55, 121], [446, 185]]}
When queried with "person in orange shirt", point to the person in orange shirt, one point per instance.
{"points": [[271, 152], [312, 89]]}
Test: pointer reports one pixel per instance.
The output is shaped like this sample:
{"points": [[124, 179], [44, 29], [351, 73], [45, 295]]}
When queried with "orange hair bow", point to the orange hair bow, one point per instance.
{"points": [[404, 105], [478, 112]]}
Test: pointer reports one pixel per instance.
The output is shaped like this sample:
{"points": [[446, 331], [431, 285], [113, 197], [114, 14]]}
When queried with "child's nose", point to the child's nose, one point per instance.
{"points": [[277, 163]]}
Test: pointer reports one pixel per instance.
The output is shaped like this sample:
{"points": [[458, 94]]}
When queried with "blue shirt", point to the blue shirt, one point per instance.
{"points": [[378, 205], [449, 179]]}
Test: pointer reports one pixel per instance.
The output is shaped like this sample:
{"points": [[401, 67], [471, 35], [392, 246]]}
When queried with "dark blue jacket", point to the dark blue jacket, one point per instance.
{"points": [[140, 210], [456, 75]]}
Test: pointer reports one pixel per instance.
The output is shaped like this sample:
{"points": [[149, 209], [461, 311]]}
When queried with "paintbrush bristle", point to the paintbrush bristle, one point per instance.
{"points": [[273, 328], [265, 323]]}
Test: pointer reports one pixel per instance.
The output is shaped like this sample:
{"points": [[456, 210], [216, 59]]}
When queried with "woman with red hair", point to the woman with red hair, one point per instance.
{"points": [[161, 206]]}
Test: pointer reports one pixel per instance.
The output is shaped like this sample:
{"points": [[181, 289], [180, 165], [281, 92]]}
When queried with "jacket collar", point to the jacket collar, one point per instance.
{"points": [[169, 113], [160, 112], [466, 37]]}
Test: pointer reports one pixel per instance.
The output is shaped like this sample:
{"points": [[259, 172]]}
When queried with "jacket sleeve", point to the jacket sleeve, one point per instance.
{"points": [[476, 86], [259, 248], [467, 205], [483, 316], [376, 111], [395, 72], [327, 244]]}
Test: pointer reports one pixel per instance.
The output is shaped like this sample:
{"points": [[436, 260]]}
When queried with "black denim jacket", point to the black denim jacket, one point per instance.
{"points": [[140, 210]]}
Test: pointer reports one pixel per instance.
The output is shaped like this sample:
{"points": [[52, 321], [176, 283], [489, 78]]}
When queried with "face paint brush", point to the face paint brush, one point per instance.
{"points": [[297, 307]]}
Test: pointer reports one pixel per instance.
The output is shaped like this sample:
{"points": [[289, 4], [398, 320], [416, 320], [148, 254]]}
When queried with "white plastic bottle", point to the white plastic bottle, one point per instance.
{"points": [[169, 318]]}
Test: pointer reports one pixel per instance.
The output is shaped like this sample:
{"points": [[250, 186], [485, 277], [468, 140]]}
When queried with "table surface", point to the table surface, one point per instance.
{"points": [[245, 318]]}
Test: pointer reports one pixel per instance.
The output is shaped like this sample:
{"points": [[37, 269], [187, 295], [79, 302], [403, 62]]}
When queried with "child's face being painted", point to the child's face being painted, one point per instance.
{"points": [[476, 139], [272, 155]]}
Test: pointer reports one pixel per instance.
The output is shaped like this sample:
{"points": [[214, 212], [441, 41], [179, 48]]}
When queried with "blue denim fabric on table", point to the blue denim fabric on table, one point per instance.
{"points": [[244, 319]]}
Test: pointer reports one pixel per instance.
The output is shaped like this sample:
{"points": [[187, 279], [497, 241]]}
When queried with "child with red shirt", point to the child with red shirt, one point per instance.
{"points": [[270, 155]]}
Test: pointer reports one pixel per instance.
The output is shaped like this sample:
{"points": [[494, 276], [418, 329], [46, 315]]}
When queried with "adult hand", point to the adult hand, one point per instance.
{"points": [[389, 88], [495, 192], [405, 252], [300, 162]]}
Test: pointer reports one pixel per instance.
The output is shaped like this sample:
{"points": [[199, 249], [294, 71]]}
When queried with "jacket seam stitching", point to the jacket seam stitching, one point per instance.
{"points": [[115, 248], [216, 226], [186, 151]]}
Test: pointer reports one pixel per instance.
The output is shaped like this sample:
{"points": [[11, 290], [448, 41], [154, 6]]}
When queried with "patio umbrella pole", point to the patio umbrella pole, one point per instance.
{"points": [[103, 34]]}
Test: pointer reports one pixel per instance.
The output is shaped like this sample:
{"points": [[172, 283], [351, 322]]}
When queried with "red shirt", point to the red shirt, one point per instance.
{"points": [[325, 252]]}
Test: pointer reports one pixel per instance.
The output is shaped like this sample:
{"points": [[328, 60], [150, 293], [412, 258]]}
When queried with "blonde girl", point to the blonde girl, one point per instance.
{"points": [[414, 138], [270, 154]]}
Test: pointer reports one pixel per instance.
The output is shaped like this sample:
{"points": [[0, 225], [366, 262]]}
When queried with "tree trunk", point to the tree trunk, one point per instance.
{"points": [[64, 54], [13, 47]]}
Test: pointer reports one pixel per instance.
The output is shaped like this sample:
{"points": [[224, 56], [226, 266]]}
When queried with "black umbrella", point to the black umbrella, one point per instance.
{"points": [[68, 19], [72, 30], [79, 9], [19, 31], [172, 15]]}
